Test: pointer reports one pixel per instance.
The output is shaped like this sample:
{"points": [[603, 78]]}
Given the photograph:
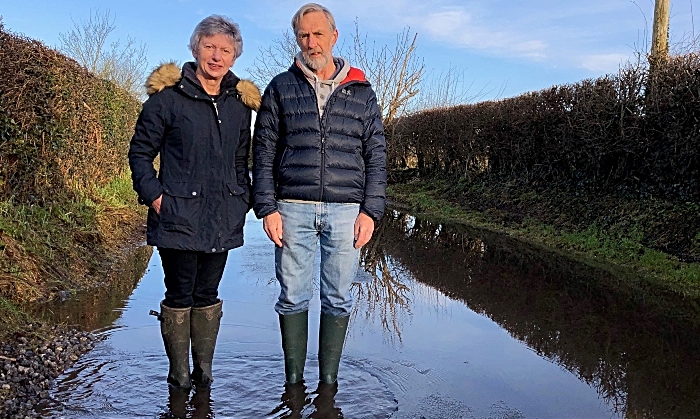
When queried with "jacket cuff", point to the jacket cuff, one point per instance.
{"points": [[147, 197], [375, 217]]}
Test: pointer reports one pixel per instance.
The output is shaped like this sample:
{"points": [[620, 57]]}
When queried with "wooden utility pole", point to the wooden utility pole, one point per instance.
{"points": [[659, 42]]}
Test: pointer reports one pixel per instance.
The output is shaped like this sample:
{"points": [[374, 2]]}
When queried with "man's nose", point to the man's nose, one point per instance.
{"points": [[312, 43]]}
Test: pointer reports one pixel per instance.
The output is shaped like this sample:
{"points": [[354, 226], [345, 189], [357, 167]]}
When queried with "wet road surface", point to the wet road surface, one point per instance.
{"points": [[449, 322]]}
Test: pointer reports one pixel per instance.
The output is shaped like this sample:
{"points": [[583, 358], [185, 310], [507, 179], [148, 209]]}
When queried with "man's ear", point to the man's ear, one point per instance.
{"points": [[335, 37]]}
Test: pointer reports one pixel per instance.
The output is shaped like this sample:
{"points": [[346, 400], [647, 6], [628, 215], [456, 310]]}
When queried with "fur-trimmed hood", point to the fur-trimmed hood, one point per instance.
{"points": [[169, 74]]}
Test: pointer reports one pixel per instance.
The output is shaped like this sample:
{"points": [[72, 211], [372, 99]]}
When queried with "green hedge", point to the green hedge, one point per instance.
{"points": [[61, 128], [619, 154], [66, 203]]}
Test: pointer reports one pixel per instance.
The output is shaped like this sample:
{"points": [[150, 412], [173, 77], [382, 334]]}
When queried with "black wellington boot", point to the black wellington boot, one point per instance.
{"points": [[175, 329], [204, 328], [295, 334], [330, 346]]}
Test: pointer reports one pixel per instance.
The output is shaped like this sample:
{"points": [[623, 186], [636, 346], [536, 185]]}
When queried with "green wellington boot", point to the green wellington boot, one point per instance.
{"points": [[204, 328], [175, 329], [295, 334], [330, 346]]}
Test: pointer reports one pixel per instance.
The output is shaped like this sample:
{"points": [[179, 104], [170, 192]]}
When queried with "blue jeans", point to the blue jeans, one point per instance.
{"points": [[303, 227]]}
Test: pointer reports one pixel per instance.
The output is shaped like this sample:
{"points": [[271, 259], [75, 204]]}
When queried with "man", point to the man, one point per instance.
{"points": [[319, 173]]}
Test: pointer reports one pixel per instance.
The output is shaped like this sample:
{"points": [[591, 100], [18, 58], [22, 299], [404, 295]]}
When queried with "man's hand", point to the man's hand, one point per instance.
{"points": [[156, 204], [364, 227], [272, 224]]}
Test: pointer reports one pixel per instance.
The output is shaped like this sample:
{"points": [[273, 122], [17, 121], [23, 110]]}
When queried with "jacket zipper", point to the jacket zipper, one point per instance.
{"points": [[323, 148], [323, 132]]}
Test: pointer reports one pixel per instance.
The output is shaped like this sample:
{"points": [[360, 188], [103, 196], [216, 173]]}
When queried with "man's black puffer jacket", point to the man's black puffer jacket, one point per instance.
{"points": [[299, 155]]}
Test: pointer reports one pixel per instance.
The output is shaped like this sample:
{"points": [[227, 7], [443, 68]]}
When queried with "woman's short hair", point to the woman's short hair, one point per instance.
{"points": [[308, 8], [217, 25]]}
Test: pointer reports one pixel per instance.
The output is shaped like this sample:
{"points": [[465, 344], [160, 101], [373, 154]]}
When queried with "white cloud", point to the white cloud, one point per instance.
{"points": [[603, 63], [458, 27]]}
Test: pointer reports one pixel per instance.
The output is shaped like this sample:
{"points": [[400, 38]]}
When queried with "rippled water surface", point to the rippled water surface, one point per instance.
{"points": [[449, 323]]}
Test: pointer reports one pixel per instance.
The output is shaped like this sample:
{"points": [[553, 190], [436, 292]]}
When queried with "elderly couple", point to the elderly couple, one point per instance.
{"points": [[319, 170]]}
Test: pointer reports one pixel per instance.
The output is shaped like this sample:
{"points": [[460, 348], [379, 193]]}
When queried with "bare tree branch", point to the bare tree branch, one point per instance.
{"points": [[87, 43], [395, 73], [274, 59]]}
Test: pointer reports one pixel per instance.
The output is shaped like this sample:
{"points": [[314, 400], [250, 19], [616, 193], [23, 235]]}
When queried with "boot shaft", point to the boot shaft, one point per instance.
{"points": [[175, 330], [330, 346], [204, 329], [295, 335]]}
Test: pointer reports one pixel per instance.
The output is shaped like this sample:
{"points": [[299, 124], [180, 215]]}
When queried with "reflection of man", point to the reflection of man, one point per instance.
{"points": [[319, 175]]}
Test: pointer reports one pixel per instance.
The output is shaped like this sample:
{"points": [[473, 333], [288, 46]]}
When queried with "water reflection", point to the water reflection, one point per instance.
{"points": [[298, 403], [634, 344], [385, 296], [102, 305], [421, 344], [181, 406]]}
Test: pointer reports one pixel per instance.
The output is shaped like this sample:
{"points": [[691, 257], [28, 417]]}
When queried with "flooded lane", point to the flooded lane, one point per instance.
{"points": [[448, 323]]}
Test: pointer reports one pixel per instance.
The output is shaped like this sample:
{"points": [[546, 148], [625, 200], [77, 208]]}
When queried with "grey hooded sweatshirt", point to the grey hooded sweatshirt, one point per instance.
{"points": [[324, 88]]}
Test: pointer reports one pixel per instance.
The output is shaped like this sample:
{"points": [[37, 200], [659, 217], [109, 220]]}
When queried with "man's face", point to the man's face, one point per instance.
{"points": [[316, 40], [215, 55]]}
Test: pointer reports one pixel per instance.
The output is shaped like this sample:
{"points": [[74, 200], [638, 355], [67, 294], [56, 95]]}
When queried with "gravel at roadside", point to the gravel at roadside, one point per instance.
{"points": [[29, 365]]}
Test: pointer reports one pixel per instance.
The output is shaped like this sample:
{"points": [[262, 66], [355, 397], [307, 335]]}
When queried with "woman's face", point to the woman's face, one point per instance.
{"points": [[214, 55]]}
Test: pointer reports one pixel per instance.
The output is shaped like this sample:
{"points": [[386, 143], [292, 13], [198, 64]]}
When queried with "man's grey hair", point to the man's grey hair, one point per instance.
{"points": [[308, 8], [217, 25]]}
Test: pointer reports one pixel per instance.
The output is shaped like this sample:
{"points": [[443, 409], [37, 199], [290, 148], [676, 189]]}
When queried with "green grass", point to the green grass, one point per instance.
{"points": [[52, 246], [119, 192], [13, 318], [613, 247]]}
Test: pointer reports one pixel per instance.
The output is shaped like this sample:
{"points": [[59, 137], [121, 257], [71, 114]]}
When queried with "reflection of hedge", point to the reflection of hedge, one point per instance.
{"points": [[99, 308], [635, 344], [615, 132], [61, 127]]}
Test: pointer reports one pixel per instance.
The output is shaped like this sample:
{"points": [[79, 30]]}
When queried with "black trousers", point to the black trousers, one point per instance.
{"points": [[191, 278]]}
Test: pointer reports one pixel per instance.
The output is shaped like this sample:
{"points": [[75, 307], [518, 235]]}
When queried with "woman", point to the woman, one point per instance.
{"points": [[198, 120]]}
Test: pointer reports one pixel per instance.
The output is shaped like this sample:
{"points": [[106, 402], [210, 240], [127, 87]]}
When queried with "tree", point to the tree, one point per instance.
{"points": [[394, 71], [446, 89], [122, 63], [274, 59]]}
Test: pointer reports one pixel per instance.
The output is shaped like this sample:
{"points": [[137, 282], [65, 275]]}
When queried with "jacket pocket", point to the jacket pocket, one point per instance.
{"points": [[238, 205], [181, 206]]}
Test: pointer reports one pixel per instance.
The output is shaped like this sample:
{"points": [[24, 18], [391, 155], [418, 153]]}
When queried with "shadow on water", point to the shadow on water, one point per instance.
{"points": [[99, 307], [635, 345]]}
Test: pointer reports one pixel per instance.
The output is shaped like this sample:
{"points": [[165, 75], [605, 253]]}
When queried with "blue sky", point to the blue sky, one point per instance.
{"points": [[504, 47]]}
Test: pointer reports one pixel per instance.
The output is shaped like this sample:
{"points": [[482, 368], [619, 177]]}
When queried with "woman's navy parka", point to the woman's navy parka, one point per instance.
{"points": [[203, 144]]}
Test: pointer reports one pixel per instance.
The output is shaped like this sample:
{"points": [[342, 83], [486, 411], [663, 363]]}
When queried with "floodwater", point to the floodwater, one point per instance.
{"points": [[450, 323]]}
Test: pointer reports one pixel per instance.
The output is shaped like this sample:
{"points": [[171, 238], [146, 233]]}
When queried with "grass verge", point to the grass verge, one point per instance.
{"points": [[61, 247], [619, 242]]}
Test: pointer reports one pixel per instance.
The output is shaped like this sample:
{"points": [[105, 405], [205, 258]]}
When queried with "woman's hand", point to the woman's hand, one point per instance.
{"points": [[156, 204]]}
